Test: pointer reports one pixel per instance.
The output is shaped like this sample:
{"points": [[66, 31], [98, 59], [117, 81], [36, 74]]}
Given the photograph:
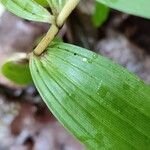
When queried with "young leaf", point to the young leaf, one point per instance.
{"points": [[28, 9], [62, 3], [56, 5], [135, 7], [17, 70], [102, 104], [100, 14]]}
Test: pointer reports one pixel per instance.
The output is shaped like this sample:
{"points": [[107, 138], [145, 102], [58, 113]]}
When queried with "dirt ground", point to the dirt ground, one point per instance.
{"points": [[25, 121]]}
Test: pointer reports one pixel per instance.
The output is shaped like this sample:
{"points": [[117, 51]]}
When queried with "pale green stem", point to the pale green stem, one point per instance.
{"points": [[46, 40], [66, 11], [54, 29]]}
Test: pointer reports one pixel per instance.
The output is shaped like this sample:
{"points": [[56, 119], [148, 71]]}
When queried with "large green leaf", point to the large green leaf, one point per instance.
{"points": [[103, 105], [28, 9], [135, 7], [17, 70]]}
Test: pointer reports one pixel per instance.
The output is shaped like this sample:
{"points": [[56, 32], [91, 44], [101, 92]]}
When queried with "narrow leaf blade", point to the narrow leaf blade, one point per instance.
{"points": [[28, 9], [56, 5], [103, 105], [42, 2]]}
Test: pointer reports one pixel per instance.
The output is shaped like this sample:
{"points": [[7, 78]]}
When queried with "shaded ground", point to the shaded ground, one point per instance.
{"points": [[25, 122]]}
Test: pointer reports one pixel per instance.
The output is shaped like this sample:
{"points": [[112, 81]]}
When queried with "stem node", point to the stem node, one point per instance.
{"points": [[54, 29]]}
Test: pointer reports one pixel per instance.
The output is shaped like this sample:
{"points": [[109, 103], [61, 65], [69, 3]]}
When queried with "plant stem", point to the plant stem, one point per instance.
{"points": [[52, 32], [66, 11], [54, 29]]}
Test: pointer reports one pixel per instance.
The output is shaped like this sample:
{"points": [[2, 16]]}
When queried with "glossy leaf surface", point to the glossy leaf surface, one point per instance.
{"points": [[17, 70], [99, 102], [135, 7], [28, 9]]}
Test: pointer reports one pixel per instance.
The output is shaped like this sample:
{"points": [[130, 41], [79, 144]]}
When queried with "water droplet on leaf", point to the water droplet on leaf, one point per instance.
{"points": [[84, 59], [102, 90], [92, 59]]}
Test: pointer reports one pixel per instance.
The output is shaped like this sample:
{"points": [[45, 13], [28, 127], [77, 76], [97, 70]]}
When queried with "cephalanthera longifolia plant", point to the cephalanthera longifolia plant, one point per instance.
{"points": [[99, 102]]}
